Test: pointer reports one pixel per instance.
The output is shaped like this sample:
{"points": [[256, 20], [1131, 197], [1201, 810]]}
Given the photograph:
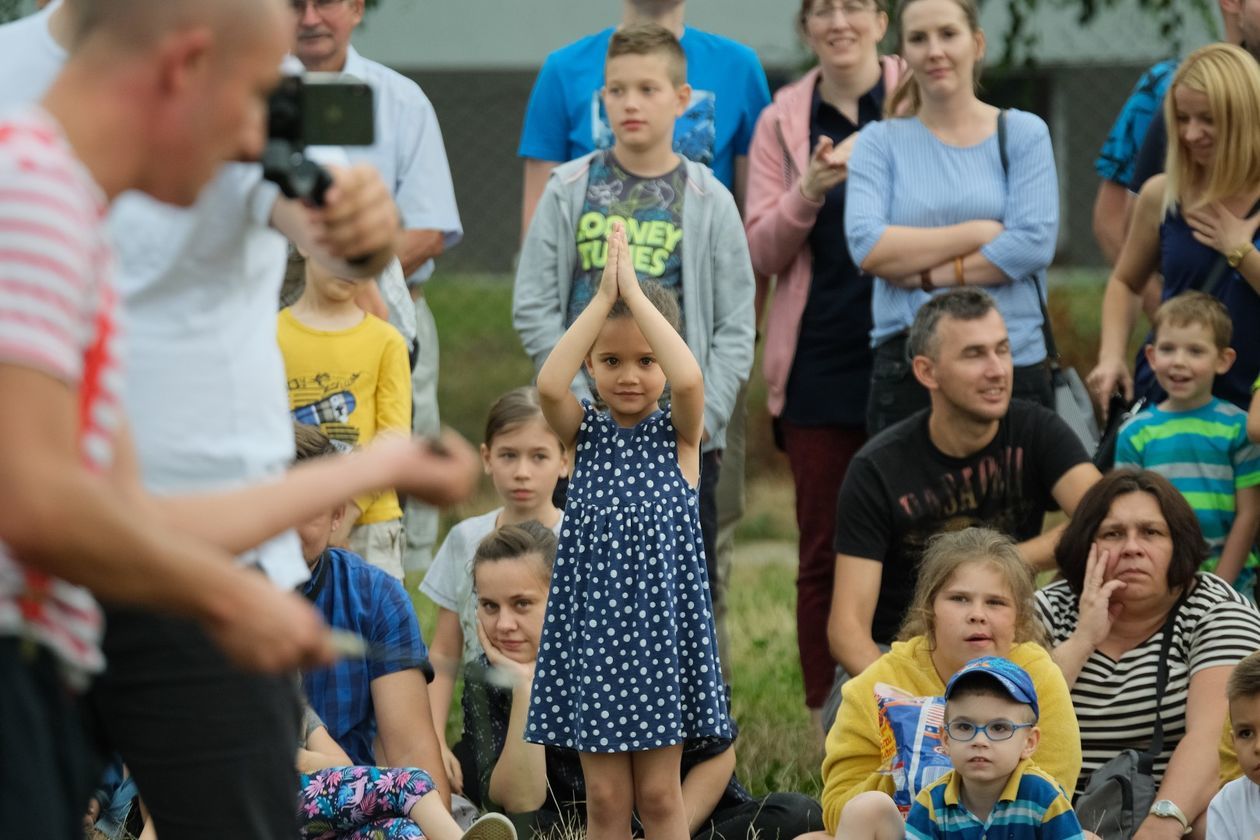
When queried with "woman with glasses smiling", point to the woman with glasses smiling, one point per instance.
{"points": [[820, 314], [974, 598]]}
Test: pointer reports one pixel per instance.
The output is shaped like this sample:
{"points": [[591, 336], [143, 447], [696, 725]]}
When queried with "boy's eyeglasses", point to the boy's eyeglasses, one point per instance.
{"points": [[994, 730]]}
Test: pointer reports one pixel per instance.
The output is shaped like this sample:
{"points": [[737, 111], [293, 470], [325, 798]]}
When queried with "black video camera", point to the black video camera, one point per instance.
{"points": [[315, 109]]}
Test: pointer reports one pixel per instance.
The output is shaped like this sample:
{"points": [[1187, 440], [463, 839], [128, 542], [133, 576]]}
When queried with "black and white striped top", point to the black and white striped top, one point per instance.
{"points": [[1115, 700]]}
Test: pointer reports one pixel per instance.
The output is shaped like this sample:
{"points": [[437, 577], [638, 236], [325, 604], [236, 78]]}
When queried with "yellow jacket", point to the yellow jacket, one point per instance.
{"points": [[852, 763]]}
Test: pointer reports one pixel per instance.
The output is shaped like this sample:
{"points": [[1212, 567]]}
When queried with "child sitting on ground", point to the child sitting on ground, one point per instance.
{"points": [[990, 732], [348, 373], [1198, 441], [1234, 813], [524, 460]]}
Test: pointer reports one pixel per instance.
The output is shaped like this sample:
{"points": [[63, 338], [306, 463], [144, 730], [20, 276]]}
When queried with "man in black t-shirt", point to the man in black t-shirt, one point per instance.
{"points": [[974, 458]]}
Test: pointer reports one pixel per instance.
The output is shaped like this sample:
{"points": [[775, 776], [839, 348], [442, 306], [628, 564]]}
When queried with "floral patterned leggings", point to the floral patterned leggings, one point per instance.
{"points": [[361, 803]]}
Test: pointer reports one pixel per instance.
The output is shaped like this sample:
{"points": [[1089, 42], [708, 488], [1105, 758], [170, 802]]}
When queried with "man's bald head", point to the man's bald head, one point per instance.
{"points": [[183, 84], [136, 25]]}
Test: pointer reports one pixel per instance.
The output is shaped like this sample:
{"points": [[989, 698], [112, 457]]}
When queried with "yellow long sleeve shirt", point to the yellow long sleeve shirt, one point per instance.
{"points": [[352, 383], [852, 762]]}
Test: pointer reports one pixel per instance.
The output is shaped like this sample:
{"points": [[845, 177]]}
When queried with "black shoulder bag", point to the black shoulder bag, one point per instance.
{"points": [[1071, 398], [1120, 793]]}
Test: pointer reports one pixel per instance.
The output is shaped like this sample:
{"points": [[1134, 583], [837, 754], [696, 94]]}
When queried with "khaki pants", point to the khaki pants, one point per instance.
{"points": [[421, 520], [380, 544]]}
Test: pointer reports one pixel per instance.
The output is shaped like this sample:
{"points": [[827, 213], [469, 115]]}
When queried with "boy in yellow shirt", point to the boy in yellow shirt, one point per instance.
{"points": [[349, 374]]}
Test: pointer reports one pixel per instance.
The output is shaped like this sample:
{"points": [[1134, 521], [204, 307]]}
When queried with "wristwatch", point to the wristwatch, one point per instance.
{"points": [[1237, 255], [1168, 808]]}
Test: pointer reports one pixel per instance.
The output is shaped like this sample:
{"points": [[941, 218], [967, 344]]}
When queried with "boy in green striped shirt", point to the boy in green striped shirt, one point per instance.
{"points": [[1198, 441]]}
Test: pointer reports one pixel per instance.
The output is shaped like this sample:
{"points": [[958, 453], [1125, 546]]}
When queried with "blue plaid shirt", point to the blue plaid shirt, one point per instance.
{"points": [[351, 595], [1032, 806]]}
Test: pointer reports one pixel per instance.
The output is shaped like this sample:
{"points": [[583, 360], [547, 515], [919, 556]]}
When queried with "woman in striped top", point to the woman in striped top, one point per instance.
{"points": [[1132, 548], [933, 202]]}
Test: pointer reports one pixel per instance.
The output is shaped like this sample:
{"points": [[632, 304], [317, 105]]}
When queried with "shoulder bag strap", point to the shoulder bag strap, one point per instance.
{"points": [[1161, 673], [1052, 349]]}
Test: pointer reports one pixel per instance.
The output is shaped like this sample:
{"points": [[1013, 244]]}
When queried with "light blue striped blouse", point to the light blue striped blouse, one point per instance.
{"points": [[901, 174]]}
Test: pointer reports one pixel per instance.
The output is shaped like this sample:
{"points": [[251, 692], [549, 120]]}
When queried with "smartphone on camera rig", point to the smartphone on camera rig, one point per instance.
{"points": [[314, 109]]}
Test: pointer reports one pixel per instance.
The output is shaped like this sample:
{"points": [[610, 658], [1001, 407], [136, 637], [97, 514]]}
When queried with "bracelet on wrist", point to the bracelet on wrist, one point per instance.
{"points": [[958, 272]]}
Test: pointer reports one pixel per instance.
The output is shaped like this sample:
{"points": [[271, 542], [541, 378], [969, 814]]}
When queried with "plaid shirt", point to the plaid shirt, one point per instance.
{"points": [[354, 596], [1032, 805]]}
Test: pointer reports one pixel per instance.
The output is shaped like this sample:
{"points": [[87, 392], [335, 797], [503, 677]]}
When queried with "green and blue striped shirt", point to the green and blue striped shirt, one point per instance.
{"points": [[1032, 806], [1205, 454]]}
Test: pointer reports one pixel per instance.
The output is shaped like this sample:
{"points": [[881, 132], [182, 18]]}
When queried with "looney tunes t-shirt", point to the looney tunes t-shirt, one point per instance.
{"points": [[651, 210]]}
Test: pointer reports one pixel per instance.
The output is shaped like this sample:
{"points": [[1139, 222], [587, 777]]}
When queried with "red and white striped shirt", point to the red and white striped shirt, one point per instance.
{"points": [[58, 315]]}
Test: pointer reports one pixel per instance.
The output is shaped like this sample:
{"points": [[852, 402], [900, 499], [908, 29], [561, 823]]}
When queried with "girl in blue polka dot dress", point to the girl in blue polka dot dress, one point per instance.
{"points": [[628, 664]]}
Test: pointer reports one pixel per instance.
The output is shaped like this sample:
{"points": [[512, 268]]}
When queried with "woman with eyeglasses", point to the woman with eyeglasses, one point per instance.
{"points": [[974, 598], [1130, 559], [934, 203], [820, 313]]}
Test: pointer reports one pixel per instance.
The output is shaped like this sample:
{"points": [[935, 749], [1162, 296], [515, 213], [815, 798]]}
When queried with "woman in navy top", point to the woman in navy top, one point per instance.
{"points": [[1197, 222], [932, 205]]}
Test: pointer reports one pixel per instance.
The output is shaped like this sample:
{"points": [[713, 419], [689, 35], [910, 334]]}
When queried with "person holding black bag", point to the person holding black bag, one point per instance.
{"points": [[1146, 643], [1197, 223]]}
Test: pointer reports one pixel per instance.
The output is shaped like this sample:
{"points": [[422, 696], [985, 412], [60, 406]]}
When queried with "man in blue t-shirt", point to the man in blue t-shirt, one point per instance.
{"points": [[565, 118]]}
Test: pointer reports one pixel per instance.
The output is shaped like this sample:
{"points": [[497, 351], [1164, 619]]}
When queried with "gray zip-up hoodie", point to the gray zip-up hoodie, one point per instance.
{"points": [[717, 282]]}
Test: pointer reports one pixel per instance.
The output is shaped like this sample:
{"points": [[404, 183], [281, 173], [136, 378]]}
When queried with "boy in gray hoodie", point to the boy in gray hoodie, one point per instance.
{"points": [[681, 223]]}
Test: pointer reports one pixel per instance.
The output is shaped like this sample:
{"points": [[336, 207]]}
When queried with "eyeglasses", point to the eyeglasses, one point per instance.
{"points": [[995, 730], [849, 7], [321, 6]]}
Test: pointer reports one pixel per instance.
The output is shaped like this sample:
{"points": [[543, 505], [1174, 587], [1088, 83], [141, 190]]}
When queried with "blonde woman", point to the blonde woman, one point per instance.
{"points": [[931, 203], [1196, 223], [974, 598]]}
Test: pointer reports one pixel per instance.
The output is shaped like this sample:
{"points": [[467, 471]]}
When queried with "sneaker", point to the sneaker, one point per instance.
{"points": [[491, 827]]}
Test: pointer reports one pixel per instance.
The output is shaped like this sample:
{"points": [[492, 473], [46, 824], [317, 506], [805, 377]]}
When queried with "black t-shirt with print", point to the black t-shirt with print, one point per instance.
{"points": [[900, 490]]}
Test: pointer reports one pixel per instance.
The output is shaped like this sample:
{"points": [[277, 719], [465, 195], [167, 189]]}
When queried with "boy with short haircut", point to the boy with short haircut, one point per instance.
{"points": [[990, 731], [378, 699], [1234, 813], [683, 229], [348, 372], [1198, 441]]}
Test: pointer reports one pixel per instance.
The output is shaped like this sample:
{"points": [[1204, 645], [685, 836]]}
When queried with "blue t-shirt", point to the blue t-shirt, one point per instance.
{"points": [[565, 118], [1120, 150], [352, 595]]}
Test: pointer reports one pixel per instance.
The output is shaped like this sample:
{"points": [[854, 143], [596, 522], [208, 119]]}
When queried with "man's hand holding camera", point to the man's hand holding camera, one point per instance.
{"points": [[355, 230]]}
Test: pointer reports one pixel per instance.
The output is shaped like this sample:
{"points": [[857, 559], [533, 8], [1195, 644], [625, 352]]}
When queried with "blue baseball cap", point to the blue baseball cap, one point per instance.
{"points": [[1013, 679]]}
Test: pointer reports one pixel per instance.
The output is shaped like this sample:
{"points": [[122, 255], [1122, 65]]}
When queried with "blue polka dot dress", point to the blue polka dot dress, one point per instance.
{"points": [[628, 659]]}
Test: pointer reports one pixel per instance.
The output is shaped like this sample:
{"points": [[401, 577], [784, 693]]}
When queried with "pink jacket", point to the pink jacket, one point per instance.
{"points": [[778, 218]]}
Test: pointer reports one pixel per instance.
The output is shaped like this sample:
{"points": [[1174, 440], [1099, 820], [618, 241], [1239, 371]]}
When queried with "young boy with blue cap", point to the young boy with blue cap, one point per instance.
{"points": [[990, 731]]}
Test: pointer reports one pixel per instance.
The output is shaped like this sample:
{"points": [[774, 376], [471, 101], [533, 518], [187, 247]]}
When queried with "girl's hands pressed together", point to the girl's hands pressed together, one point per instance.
{"points": [[1219, 229], [608, 283], [627, 278], [1097, 608]]}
